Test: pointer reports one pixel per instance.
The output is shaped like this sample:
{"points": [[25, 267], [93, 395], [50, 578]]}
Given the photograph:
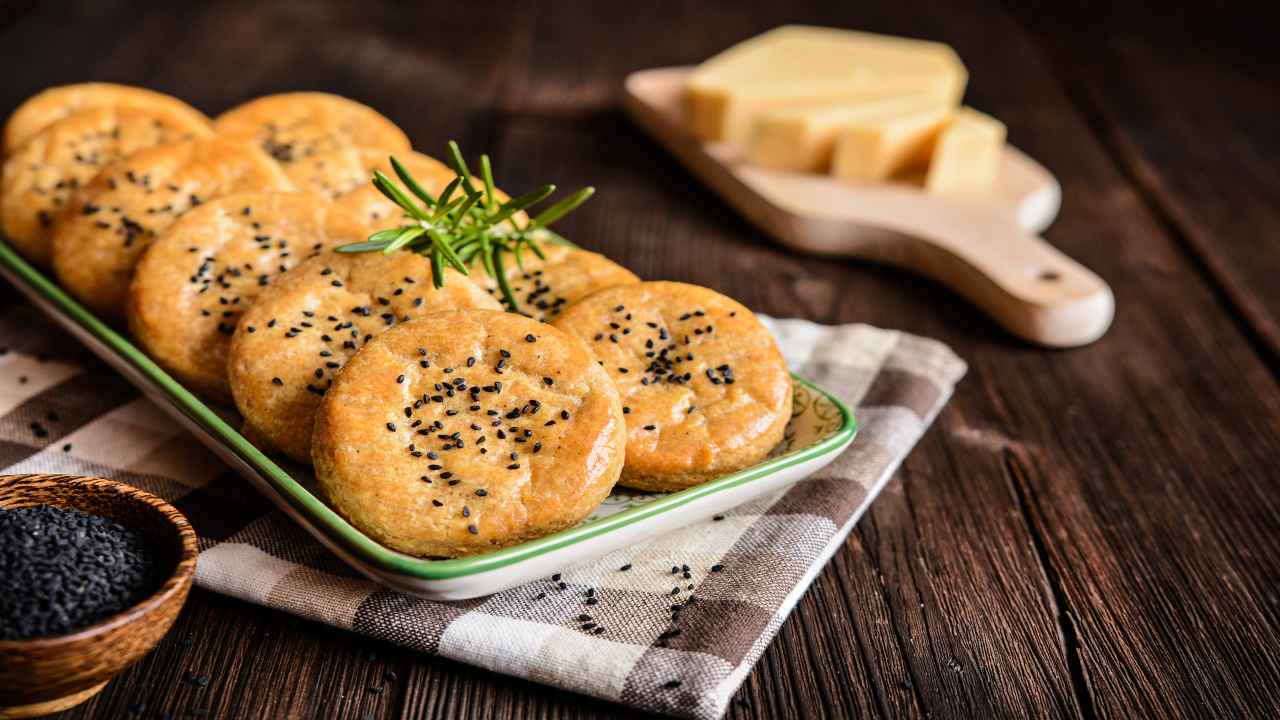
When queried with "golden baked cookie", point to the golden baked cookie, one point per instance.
{"points": [[293, 126], [345, 175], [291, 343], [705, 390], [196, 279], [544, 287], [56, 103], [467, 431], [132, 201], [41, 174]]}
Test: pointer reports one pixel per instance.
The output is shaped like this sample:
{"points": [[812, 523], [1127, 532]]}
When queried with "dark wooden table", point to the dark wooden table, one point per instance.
{"points": [[1093, 532]]}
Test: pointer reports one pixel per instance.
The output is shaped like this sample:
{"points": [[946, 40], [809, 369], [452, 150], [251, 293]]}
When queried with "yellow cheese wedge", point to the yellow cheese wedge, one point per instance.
{"points": [[967, 154], [878, 147], [802, 138], [796, 64]]}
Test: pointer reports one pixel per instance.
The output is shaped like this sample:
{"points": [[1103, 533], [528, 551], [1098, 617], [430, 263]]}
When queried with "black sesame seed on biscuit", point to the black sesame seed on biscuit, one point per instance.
{"points": [[42, 175], [442, 464], [543, 288], [309, 322], [343, 176], [200, 275], [705, 388], [293, 126], [51, 105], [138, 198]]}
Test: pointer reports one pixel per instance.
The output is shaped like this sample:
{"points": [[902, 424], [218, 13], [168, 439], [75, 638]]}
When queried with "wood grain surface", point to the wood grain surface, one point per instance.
{"points": [[1088, 533]]}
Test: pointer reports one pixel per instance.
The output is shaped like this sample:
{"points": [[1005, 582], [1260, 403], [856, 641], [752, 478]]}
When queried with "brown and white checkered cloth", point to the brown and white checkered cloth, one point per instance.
{"points": [[63, 411]]}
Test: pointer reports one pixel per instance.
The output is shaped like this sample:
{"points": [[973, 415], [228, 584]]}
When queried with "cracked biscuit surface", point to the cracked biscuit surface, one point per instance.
{"points": [[197, 278], [51, 105], [41, 175], [133, 201], [344, 175], [292, 342], [705, 390], [467, 431], [291, 127], [543, 287]]}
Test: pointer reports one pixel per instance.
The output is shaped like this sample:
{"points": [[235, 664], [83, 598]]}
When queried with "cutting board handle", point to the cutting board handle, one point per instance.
{"points": [[1027, 285]]}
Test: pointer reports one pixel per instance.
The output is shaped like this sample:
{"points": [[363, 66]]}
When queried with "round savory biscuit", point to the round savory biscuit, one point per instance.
{"points": [[344, 176], [544, 287], [291, 343], [293, 126], [56, 103], [130, 202], [467, 431], [41, 174], [196, 279], [705, 390]]}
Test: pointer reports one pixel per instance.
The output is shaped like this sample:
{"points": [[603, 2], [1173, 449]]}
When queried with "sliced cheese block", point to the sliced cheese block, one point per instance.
{"points": [[967, 154], [796, 64], [802, 138], [879, 147]]}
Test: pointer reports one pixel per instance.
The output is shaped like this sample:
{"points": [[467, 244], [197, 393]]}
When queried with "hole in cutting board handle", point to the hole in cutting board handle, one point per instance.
{"points": [[1049, 276]]}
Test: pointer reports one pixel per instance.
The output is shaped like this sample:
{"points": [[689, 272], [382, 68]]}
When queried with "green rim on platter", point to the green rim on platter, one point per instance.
{"points": [[333, 525]]}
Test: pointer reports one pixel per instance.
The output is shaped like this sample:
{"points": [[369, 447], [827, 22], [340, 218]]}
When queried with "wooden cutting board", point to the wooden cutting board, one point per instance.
{"points": [[984, 245]]}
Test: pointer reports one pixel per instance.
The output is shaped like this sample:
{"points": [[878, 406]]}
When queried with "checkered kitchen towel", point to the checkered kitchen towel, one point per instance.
{"points": [[62, 411]]}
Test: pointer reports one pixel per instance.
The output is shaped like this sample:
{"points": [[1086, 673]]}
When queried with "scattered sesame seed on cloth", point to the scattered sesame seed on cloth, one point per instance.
{"points": [[672, 625]]}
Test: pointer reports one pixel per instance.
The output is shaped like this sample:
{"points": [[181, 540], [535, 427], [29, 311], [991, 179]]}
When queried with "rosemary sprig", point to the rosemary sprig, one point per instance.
{"points": [[457, 231]]}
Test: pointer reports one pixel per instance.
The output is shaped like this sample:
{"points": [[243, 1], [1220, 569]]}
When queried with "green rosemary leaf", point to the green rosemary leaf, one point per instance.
{"points": [[376, 241], [437, 267], [410, 183], [463, 225], [459, 165], [470, 203], [396, 195], [515, 205], [407, 235], [486, 172], [486, 258], [444, 211], [441, 243], [562, 208], [500, 275], [537, 249], [519, 253]]}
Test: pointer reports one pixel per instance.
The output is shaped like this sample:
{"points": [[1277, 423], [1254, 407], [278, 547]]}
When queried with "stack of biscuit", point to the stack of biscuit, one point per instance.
{"points": [[439, 421]]}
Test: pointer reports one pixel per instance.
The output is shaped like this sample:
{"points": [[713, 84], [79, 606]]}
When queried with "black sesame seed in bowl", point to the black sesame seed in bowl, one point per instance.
{"points": [[130, 558]]}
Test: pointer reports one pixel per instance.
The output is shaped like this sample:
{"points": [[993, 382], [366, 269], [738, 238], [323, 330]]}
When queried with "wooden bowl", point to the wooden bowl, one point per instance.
{"points": [[44, 675]]}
